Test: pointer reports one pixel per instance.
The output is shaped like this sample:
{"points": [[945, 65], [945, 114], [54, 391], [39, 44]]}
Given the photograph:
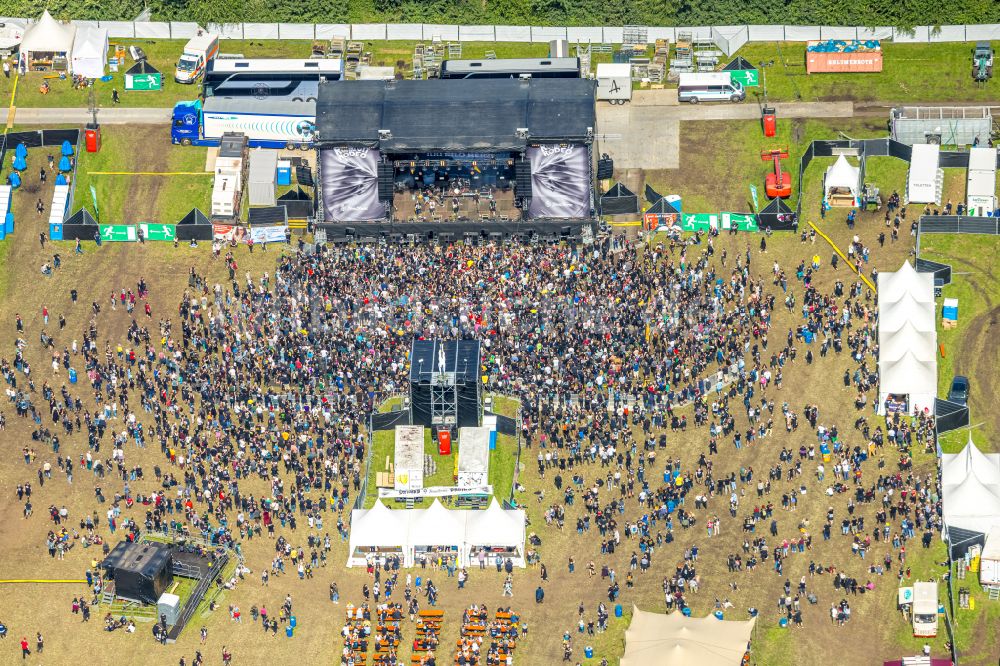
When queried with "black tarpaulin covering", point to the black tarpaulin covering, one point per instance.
{"points": [[619, 200], [194, 226], [950, 415], [652, 196], [778, 216], [466, 115], [738, 64], [663, 207]]}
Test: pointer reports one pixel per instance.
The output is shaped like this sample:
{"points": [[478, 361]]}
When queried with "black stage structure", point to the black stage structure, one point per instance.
{"points": [[436, 160], [141, 569], [444, 384]]}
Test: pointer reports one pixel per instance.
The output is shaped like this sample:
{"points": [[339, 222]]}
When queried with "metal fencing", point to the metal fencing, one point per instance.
{"points": [[729, 38]]}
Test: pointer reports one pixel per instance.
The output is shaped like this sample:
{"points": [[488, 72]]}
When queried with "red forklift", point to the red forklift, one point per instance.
{"points": [[778, 183]]}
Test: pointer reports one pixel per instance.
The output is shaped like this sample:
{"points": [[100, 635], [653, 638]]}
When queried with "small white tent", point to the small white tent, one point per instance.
{"points": [[46, 42], [840, 186], [377, 530], [655, 639], [500, 532], [90, 52]]}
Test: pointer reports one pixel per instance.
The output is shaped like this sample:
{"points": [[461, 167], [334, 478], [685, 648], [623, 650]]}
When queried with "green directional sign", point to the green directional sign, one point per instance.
{"points": [[742, 221], [117, 233], [722, 221], [158, 232], [748, 77]]}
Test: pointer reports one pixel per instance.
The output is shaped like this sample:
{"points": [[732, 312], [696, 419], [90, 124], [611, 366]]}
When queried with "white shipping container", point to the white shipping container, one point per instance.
{"points": [[614, 82]]}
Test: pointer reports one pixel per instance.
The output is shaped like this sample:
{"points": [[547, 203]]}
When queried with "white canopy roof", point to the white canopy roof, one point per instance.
{"points": [[894, 286], [908, 374], [970, 483], [907, 311], [842, 175], [654, 639], [379, 526], [48, 35], [907, 340], [437, 526], [495, 527], [90, 52]]}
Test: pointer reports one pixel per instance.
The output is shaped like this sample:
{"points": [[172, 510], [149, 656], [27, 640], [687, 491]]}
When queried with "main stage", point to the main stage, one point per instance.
{"points": [[456, 161]]}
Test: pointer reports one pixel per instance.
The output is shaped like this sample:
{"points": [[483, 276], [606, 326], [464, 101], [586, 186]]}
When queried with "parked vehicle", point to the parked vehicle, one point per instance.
{"points": [[614, 82], [959, 391], [709, 87], [925, 609], [197, 53], [267, 123]]}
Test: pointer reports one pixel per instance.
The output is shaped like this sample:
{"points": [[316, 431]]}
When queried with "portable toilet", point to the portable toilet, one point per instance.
{"points": [[67, 148], [284, 172], [949, 311], [56, 231]]}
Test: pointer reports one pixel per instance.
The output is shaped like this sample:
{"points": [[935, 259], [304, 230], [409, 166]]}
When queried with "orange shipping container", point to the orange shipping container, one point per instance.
{"points": [[859, 61]]}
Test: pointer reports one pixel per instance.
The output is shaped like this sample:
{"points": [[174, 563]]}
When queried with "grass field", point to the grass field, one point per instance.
{"points": [[133, 199], [912, 72]]}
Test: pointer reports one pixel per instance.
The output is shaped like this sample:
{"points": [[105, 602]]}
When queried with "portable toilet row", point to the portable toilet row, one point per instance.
{"points": [[57, 211], [6, 215]]}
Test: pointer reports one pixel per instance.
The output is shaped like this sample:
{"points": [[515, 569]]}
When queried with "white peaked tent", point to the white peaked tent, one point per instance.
{"points": [[499, 530], [970, 494], [45, 39], [90, 52], [840, 186], [907, 340], [437, 527], [654, 639], [377, 530]]}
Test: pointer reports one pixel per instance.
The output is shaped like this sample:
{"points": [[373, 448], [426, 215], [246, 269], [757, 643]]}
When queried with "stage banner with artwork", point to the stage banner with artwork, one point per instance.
{"points": [[228, 232], [350, 185], [560, 181], [269, 234]]}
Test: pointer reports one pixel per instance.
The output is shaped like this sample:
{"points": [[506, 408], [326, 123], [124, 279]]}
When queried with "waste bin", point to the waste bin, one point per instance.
{"points": [[770, 121], [291, 622], [618, 610], [93, 137], [289, 631], [72, 376]]}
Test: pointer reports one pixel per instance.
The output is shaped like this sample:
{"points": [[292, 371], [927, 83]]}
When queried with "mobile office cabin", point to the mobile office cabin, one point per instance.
{"points": [[511, 68], [709, 87], [197, 53], [925, 180], [925, 609], [614, 82], [989, 561], [980, 192]]}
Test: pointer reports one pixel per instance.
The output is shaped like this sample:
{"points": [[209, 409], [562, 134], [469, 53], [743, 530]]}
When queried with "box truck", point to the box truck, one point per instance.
{"points": [[925, 609], [267, 123], [199, 50]]}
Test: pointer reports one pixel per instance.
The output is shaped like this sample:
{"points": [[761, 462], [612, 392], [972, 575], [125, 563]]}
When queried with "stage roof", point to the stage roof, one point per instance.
{"points": [[460, 357], [466, 115]]}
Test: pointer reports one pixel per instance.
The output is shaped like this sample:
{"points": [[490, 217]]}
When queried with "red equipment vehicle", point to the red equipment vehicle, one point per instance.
{"points": [[778, 183]]}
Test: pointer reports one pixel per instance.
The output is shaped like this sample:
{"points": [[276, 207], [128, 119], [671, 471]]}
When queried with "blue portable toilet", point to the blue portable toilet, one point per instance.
{"points": [[14, 178], [64, 164], [291, 621], [8, 223], [588, 652], [3, 232], [21, 150], [20, 164], [289, 631], [61, 179], [67, 148], [618, 610], [56, 231], [284, 172], [493, 440], [72, 375]]}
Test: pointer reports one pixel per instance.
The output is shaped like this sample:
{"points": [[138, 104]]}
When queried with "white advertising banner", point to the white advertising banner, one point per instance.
{"points": [[435, 491]]}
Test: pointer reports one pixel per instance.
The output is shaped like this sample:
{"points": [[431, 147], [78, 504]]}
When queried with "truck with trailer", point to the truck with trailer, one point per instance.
{"points": [[267, 123], [198, 52]]}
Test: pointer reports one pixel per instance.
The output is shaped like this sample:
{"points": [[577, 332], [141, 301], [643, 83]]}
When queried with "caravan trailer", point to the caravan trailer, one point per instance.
{"points": [[925, 609]]}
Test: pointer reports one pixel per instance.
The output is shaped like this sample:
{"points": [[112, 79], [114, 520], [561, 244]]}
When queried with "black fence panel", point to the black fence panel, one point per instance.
{"points": [[389, 420], [941, 271]]}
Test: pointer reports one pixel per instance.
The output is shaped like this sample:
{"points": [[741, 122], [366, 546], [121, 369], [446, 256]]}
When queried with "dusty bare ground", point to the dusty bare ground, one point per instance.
{"points": [[27, 609]]}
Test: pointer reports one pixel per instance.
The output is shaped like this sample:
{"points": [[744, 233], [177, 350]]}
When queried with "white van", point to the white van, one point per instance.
{"points": [[710, 87], [925, 609]]}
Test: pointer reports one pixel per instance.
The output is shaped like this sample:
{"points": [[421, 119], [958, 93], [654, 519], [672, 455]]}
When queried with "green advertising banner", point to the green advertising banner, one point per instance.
{"points": [[749, 78], [722, 221], [117, 233], [158, 232]]}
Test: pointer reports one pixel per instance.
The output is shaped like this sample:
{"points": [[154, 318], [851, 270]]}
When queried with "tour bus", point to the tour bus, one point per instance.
{"points": [[511, 68], [925, 609], [710, 87], [285, 78]]}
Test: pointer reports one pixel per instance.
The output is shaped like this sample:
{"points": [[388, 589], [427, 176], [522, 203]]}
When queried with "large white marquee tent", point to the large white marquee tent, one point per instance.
{"points": [[907, 341], [970, 494], [416, 533], [655, 639]]}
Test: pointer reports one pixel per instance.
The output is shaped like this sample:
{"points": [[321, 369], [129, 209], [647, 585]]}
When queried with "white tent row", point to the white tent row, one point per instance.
{"points": [[907, 340], [413, 533], [970, 490]]}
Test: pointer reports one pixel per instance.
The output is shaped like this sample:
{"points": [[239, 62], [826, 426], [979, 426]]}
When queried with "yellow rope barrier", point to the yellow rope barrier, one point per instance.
{"points": [[844, 257], [11, 109]]}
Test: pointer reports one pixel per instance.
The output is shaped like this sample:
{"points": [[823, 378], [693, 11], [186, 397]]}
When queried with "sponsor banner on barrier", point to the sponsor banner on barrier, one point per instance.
{"points": [[117, 233], [271, 234], [723, 221], [435, 491], [158, 232], [228, 232]]}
